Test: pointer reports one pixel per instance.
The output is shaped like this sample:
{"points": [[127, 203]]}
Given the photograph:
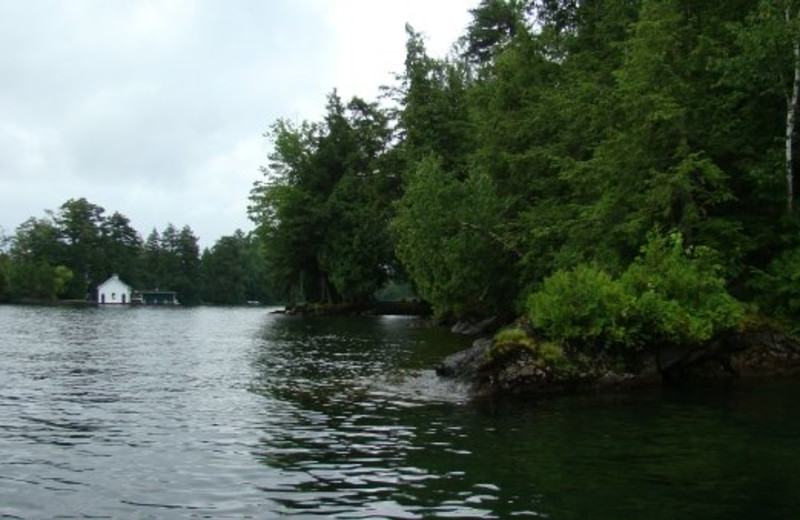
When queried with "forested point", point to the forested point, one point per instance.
{"points": [[619, 172]]}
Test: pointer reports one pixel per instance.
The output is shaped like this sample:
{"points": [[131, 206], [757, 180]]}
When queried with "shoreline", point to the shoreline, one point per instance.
{"points": [[494, 369], [414, 308]]}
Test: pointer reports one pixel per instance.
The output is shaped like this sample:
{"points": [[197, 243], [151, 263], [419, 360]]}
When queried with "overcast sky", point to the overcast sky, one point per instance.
{"points": [[157, 108]]}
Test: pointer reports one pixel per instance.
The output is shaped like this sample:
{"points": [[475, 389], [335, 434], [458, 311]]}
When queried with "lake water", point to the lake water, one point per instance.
{"points": [[237, 413]]}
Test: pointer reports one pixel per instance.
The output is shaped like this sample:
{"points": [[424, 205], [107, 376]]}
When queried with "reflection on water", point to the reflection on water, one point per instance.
{"points": [[345, 446], [236, 413]]}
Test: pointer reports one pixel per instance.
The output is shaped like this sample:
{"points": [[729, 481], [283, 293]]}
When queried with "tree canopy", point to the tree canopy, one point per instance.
{"points": [[561, 134]]}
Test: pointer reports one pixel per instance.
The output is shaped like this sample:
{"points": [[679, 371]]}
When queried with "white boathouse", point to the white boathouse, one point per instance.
{"points": [[114, 292]]}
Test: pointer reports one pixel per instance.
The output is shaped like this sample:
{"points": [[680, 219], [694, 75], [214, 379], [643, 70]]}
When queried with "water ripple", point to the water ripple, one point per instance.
{"points": [[235, 413]]}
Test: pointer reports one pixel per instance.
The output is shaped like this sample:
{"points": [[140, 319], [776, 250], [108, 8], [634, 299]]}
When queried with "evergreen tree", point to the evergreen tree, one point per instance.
{"points": [[323, 210], [123, 247], [79, 223], [231, 271]]}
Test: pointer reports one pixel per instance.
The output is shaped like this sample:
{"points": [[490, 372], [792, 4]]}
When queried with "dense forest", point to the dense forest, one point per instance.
{"points": [[620, 162], [69, 252]]}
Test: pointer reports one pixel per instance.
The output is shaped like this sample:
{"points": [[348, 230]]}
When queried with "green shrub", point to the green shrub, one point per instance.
{"points": [[511, 340], [553, 355], [584, 305], [778, 289], [512, 335], [680, 294], [507, 341], [669, 295]]}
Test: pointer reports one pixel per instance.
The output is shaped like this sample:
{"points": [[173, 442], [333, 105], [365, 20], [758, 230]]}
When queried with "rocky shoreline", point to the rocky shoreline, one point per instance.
{"points": [[492, 367], [523, 364]]}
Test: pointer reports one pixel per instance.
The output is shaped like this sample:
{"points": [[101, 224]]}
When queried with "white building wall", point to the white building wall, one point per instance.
{"points": [[113, 291]]}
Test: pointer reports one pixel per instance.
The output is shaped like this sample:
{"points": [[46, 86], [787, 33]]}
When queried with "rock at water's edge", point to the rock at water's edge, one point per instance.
{"points": [[465, 364], [757, 353], [468, 328]]}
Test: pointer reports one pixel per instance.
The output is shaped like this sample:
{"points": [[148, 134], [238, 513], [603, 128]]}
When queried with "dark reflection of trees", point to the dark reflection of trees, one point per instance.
{"points": [[658, 455], [309, 359], [340, 446], [684, 453]]}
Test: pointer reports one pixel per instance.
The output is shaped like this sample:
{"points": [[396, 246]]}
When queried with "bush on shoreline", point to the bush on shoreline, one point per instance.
{"points": [[671, 295]]}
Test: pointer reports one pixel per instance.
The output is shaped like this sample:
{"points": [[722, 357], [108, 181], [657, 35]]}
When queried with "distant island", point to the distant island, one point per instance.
{"points": [[69, 253]]}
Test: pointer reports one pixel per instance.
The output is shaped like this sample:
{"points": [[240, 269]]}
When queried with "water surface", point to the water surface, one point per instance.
{"points": [[236, 413]]}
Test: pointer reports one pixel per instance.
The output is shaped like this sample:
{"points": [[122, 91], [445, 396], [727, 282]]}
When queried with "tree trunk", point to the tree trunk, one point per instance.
{"points": [[791, 119]]}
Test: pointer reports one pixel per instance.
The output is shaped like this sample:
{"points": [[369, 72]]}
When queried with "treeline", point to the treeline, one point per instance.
{"points": [[69, 252], [560, 135]]}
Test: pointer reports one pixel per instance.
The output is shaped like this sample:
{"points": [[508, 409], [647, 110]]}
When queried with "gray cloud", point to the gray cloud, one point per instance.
{"points": [[156, 109]]}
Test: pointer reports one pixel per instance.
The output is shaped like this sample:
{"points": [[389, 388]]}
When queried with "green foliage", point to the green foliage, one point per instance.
{"points": [[357, 252], [232, 271], [79, 224], [546, 354], [510, 337], [122, 248], [547, 148], [181, 255], [323, 210], [5, 277], [35, 249], [765, 40], [553, 354], [778, 289], [655, 165], [170, 261], [448, 237], [584, 306], [681, 297], [670, 295], [433, 115], [62, 276], [79, 237], [32, 280], [494, 24]]}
